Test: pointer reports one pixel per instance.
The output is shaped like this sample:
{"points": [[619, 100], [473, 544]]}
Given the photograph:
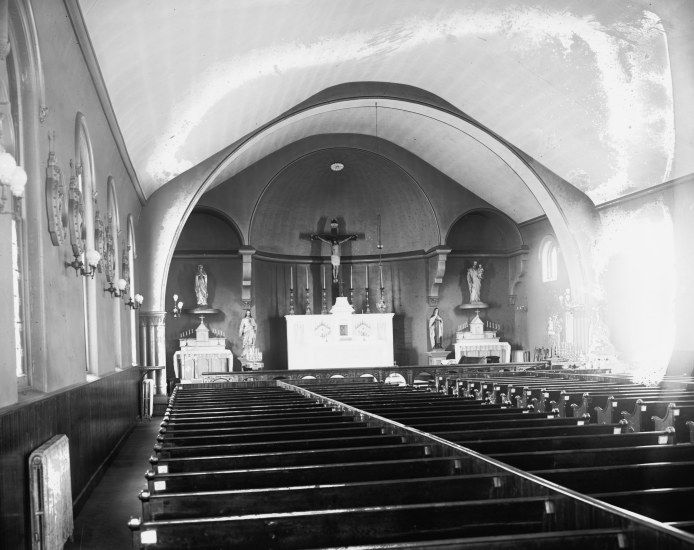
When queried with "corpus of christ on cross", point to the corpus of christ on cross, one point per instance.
{"points": [[335, 240]]}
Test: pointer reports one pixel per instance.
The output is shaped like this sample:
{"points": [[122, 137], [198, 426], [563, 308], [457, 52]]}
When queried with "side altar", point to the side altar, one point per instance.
{"points": [[478, 342], [339, 339], [201, 354]]}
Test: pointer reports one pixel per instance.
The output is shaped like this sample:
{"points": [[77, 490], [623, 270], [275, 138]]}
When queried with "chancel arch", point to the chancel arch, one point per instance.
{"points": [[189, 187]]}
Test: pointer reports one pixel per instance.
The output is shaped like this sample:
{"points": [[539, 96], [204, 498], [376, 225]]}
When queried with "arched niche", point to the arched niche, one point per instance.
{"points": [[209, 229], [484, 230]]}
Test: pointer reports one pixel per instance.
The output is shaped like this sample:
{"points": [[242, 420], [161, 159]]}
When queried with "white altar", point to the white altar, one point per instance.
{"points": [[340, 339], [478, 342], [201, 354]]}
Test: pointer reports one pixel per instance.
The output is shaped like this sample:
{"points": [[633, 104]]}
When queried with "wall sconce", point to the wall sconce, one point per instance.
{"points": [[135, 304], [178, 306], [118, 290], [92, 257]]}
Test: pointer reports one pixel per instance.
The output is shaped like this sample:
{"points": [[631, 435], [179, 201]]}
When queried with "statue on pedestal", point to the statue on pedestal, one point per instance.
{"points": [[475, 274], [201, 286], [435, 329], [247, 332]]}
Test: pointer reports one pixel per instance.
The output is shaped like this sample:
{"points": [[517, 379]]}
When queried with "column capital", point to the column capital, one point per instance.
{"points": [[152, 318]]}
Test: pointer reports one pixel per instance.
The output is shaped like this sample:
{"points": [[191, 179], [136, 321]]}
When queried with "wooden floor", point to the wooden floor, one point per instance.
{"points": [[102, 523]]}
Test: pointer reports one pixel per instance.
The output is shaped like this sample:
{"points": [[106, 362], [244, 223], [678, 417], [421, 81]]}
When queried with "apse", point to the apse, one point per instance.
{"points": [[308, 192]]}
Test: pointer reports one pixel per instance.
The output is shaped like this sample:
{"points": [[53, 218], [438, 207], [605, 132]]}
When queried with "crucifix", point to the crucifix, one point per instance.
{"points": [[335, 240]]}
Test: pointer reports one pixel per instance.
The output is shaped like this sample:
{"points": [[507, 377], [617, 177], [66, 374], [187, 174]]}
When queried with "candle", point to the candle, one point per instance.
{"points": [[351, 283], [307, 277], [323, 277], [380, 274], [379, 231], [367, 276], [291, 277]]}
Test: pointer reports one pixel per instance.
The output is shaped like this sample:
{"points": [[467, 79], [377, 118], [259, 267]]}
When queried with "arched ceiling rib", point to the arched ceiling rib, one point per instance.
{"points": [[584, 87], [447, 148]]}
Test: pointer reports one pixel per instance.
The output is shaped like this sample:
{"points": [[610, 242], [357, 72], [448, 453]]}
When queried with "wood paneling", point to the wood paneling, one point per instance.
{"points": [[94, 417]]}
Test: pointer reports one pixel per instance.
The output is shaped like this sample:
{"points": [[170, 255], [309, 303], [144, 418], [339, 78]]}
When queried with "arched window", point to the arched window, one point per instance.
{"points": [[131, 255], [11, 140], [548, 259], [112, 264], [84, 158]]}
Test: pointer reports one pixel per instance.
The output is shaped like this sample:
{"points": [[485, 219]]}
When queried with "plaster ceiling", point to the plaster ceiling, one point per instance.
{"points": [[583, 86], [368, 186]]}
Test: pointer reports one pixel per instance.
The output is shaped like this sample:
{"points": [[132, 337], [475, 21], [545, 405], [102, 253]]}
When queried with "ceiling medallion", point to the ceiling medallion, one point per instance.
{"points": [[336, 166]]}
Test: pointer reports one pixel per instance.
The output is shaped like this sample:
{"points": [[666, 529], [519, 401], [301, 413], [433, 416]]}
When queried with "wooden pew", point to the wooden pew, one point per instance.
{"points": [[677, 416], [370, 525], [623, 477], [301, 475], [244, 476], [525, 444], [541, 459], [645, 413], [400, 451], [174, 505], [306, 443]]}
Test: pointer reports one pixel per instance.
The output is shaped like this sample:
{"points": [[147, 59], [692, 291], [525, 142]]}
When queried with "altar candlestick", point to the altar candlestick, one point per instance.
{"points": [[291, 277], [351, 284], [380, 274], [307, 276], [323, 277], [366, 285]]}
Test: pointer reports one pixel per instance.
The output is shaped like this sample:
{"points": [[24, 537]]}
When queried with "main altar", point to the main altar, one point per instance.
{"points": [[339, 339]]}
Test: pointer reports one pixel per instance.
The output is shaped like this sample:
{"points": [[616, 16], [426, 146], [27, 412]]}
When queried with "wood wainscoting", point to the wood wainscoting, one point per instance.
{"points": [[95, 416]]}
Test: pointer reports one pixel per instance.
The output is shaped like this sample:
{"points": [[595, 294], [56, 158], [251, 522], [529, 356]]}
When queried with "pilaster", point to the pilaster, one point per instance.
{"points": [[153, 346]]}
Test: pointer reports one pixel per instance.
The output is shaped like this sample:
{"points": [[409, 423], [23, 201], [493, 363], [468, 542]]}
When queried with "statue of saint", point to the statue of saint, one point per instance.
{"points": [[475, 274], [201, 286], [334, 240], [247, 333], [435, 329]]}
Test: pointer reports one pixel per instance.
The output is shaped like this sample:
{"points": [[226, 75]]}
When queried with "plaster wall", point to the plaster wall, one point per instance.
{"points": [[55, 312], [657, 267], [540, 297]]}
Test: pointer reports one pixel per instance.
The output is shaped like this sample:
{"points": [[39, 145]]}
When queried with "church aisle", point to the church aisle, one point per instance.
{"points": [[102, 524]]}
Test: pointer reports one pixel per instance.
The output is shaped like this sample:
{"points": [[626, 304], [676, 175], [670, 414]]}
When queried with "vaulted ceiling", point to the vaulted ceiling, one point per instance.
{"points": [[583, 86]]}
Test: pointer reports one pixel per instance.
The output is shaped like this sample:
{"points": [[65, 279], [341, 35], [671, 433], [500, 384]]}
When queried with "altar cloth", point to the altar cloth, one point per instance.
{"points": [[349, 340]]}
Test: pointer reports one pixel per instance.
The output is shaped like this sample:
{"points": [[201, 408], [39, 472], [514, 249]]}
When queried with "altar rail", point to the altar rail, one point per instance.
{"points": [[409, 373]]}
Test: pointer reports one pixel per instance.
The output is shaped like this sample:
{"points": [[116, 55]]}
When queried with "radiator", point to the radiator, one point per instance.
{"points": [[51, 494], [147, 398]]}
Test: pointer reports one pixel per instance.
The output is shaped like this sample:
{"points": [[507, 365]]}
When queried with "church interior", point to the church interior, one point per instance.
{"points": [[391, 274]]}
